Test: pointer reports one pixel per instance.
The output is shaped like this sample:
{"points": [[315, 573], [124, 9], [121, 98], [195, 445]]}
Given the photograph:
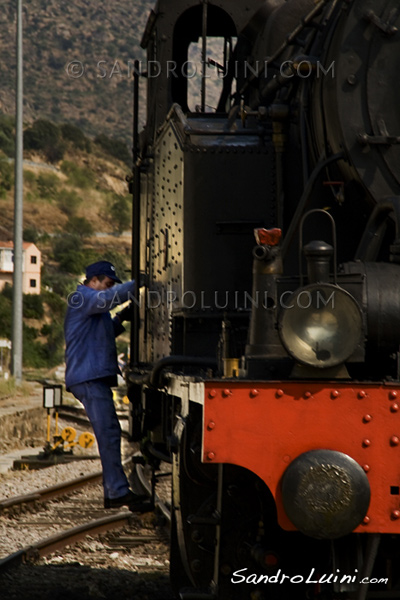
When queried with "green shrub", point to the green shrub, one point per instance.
{"points": [[60, 283], [45, 136], [53, 350], [73, 261], [79, 226], [78, 176], [7, 291], [29, 177], [63, 243], [74, 134], [33, 306], [56, 304], [5, 316], [48, 185], [68, 201], [69, 253], [37, 355], [6, 177], [120, 212], [7, 135], [115, 148], [31, 234], [7, 145], [33, 352]]}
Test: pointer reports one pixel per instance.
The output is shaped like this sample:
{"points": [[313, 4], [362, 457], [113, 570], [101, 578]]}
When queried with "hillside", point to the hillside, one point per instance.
{"points": [[77, 210], [102, 38]]}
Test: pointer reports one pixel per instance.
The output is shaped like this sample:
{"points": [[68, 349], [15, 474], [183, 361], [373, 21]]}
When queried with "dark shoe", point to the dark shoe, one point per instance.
{"points": [[130, 499], [142, 507]]}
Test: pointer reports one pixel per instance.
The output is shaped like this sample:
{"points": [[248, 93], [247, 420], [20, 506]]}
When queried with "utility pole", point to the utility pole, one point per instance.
{"points": [[18, 210]]}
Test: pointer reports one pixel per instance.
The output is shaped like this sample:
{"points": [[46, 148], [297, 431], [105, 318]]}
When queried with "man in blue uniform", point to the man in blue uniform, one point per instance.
{"points": [[92, 369]]}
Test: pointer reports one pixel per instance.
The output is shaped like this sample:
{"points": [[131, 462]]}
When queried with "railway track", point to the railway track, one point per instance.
{"points": [[62, 516], [60, 542], [67, 524]]}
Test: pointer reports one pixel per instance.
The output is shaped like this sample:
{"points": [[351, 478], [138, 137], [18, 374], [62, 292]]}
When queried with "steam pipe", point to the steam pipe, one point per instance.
{"points": [[305, 21], [373, 235]]}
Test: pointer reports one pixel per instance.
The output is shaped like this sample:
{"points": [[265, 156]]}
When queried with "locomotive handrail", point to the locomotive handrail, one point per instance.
{"points": [[136, 190], [322, 163], [304, 217]]}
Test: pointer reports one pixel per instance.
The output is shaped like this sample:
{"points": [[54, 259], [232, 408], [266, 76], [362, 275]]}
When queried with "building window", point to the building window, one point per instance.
{"points": [[33, 260], [32, 283]]}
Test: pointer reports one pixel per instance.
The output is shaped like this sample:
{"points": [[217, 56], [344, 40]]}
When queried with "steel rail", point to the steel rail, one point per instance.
{"points": [[54, 491], [64, 538], [70, 536], [74, 534]]}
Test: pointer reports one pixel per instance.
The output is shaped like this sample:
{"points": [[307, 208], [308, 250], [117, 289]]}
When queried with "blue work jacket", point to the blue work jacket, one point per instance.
{"points": [[90, 332]]}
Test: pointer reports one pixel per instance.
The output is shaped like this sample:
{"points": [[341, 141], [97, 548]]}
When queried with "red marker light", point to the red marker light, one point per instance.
{"points": [[268, 237], [271, 560]]}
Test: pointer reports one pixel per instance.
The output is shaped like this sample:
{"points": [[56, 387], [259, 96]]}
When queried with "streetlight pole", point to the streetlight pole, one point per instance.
{"points": [[18, 211]]}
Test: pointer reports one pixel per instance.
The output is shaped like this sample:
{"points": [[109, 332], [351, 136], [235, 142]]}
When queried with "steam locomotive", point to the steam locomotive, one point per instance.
{"points": [[265, 349]]}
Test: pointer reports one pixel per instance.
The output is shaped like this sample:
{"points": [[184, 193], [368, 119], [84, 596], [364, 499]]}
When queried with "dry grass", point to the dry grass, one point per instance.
{"points": [[9, 388]]}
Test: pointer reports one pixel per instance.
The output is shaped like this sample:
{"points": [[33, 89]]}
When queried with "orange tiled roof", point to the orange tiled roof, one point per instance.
{"points": [[10, 244]]}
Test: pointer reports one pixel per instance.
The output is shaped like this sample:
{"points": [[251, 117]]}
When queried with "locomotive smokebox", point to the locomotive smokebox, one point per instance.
{"points": [[325, 494]]}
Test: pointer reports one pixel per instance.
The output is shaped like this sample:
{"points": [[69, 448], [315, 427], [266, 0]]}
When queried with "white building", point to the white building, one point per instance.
{"points": [[31, 265]]}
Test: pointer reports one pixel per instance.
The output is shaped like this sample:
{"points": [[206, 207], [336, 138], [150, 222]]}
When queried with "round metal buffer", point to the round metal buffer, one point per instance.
{"points": [[320, 325], [325, 493]]}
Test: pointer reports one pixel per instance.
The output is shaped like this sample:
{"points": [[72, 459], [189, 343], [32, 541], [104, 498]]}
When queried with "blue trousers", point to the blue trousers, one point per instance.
{"points": [[96, 397]]}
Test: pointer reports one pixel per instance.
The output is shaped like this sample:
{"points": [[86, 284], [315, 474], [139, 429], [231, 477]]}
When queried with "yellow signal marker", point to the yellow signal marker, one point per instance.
{"points": [[86, 439], [68, 434]]}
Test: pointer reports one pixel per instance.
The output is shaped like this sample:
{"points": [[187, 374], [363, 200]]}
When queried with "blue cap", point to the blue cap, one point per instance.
{"points": [[102, 267]]}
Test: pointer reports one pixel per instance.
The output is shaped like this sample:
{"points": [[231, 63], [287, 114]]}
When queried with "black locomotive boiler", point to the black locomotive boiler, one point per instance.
{"points": [[265, 349]]}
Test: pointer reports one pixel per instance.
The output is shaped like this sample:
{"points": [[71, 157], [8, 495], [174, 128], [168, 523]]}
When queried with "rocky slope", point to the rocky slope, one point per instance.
{"points": [[78, 61]]}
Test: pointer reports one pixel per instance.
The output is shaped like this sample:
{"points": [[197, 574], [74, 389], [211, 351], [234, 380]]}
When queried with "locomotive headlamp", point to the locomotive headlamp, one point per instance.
{"points": [[320, 325]]}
